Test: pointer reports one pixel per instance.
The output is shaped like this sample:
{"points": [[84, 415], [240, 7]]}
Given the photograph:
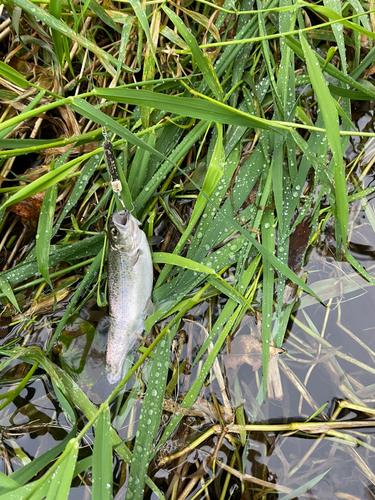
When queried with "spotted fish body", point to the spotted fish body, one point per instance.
{"points": [[129, 289]]}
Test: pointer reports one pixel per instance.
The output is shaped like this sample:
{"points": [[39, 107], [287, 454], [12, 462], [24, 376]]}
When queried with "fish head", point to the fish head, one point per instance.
{"points": [[124, 232]]}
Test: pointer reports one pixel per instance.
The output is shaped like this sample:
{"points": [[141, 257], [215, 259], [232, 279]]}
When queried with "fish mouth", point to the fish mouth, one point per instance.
{"points": [[121, 217]]}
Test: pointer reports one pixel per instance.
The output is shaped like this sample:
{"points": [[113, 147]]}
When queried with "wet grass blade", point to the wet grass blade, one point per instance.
{"points": [[44, 182], [357, 266], [125, 33], [36, 490], [214, 174], [141, 16], [216, 280], [78, 250], [177, 260], [102, 14], [60, 484], [8, 292], [102, 476], [12, 75], [305, 487], [79, 187], [195, 108], [268, 239], [27, 472], [149, 419], [44, 231], [296, 46], [86, 109], [61, 27], [87, 280], [331, 122], [331, 14], [203, 61], [7, 483], [54, 8]]}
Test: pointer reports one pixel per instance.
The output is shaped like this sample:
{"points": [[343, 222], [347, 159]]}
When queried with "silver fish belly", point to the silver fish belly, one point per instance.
{"points": [[130, 273]]}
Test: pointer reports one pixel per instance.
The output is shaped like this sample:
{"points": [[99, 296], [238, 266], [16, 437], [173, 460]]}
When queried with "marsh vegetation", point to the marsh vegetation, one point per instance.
{"points": [[243, 135]]}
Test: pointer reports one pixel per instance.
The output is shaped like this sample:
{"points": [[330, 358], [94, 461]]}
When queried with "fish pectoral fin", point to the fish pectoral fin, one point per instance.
{"points": [[149, 309], [154, 240], [134, 258]]}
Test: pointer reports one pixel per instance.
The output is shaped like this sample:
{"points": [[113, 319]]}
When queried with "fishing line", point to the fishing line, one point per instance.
{"points": [[109, 154]]}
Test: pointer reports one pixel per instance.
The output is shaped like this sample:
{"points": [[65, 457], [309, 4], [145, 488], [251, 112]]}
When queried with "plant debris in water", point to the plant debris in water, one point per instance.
{"points": [[242, 134]]}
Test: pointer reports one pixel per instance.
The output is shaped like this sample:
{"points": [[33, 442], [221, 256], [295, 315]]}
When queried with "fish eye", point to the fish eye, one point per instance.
{"points": [[114, 231]]}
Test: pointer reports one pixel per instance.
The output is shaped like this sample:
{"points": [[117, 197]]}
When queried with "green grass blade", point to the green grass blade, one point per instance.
{"points": [[214, 174], [217, 281], [126, 29], [357, 266], [7, 483], [205, 227], [102, 14], [86, 109], [26, 473], [79, 187], [65, 405], [203, 61], [12, 75], [331, 14], [78, 250], [268, 239], [8, 292], [177, 260], [57, 25], [331, 122], [44, 231], [54, 8], [102, 475], [149, 419], [60, 483], [305, 487], [44, 182], [329, 68], [195, 108], [141, 16], [27, 492], [87, 280]]}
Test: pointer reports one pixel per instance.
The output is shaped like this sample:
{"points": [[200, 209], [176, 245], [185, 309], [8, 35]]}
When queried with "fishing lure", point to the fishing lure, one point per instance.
{"points": [[109, 157]]}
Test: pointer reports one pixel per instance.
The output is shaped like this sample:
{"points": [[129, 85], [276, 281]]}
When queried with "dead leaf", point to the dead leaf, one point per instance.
{"points": [[247, 349], [22, 66], [299, 240], [44, 305], [29, 209]]}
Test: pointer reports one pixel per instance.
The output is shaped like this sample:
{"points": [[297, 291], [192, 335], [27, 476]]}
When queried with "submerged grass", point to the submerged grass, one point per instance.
{"points": [[226, 148]]}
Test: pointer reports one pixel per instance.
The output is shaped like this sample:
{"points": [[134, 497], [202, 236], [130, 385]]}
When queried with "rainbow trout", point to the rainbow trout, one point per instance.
{"points": [[130, 275]]}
